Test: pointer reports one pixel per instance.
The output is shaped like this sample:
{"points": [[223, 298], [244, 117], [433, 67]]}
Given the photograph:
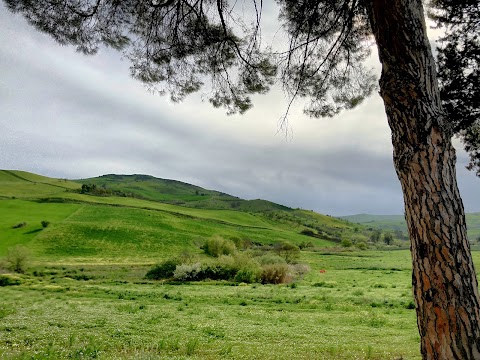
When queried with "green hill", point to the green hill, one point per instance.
{"points": [[397, 223], [176, 193], [24, 185], [143, 224]]}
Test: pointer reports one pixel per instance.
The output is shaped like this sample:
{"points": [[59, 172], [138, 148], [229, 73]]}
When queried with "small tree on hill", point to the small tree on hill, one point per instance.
{"points": [[346, 243], [290, 252], [375, 236], [17, 258], [388, 238]]}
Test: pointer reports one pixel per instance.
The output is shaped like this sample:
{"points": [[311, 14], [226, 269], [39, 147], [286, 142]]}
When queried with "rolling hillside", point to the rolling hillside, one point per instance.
{"points": [[22, 184], [177, 193], [397, 222], [139, 226]]}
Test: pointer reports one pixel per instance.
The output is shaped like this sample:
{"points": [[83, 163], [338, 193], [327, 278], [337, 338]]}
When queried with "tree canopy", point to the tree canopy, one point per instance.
{"points": [[458, 64], [180, 47]]}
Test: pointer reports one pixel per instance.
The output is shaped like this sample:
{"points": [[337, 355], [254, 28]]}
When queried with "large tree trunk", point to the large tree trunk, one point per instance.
{"points": [[444, 281]]}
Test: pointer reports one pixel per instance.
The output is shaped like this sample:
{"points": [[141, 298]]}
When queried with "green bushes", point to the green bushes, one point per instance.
{"points": [[217, 246], [361, 245], [8, 280], [305, 245], [267, 269], [346, 243], [288, 251], [163, 270], [248, 275], [269, 259], [274, 274], [17, 259], [187, 272], [266, 264]]}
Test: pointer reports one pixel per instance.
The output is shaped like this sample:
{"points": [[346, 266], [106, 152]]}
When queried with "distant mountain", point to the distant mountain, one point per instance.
{"points": [[397, 223]]}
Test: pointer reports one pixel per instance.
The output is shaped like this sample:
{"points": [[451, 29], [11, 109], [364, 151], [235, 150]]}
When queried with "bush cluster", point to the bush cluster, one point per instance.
{"points": [[187, 272], [275, 274], [163, 270], [17, 259], [267, 267], [217, 246]]}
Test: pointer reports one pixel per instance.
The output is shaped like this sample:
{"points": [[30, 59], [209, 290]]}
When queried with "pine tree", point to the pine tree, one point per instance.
{"points": [[458, 65]]}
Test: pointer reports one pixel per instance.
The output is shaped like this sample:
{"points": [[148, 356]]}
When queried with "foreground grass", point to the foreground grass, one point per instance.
{"points": [[350, 311]]}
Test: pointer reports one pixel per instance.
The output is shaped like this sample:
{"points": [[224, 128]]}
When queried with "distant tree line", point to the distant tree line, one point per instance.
{"points": [[93, 189]]}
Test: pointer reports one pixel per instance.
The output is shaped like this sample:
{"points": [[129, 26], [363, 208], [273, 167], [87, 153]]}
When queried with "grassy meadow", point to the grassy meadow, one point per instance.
{"points": [[84, 295], [359, 308]]}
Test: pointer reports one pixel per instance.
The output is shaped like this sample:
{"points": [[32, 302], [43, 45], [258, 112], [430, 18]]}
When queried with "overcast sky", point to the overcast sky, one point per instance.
{"points": [[66, 115]]}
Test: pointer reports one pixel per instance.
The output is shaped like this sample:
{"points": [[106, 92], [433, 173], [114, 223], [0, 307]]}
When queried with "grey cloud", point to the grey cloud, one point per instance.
{"points": [[65, 115]]}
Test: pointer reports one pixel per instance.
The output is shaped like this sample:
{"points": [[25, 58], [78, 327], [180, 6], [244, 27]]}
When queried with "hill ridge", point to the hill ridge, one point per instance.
{"points": [[178, 192]]}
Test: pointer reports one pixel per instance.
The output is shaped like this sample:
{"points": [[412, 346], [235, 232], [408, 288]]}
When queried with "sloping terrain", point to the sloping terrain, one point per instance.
{"points": [[24, 185], [397, 222], [83, 226], [177, 193]]}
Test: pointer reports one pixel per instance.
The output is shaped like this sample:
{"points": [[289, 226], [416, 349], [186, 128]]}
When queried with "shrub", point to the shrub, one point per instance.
{"points": [[19, 225], [305, 245], [300, 269], [388, 238], [8, 280], [163, 270], [346, 243], [274, 274], [248, 270], [17, 258], [270, 259], [242, 243], [375, 236], [187, 272], [288, 251], [222, 269], [410, 305], [248, 275], [361, 245], [45, 223], [308, 232], [217, 246]]}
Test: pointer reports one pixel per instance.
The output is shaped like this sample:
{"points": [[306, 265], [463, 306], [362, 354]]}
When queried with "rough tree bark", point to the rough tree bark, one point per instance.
{"points": [[444, 281]]}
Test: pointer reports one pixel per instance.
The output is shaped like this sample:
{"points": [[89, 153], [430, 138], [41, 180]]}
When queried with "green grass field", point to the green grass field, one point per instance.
{"points": [[84, 295], [359, 308]]}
